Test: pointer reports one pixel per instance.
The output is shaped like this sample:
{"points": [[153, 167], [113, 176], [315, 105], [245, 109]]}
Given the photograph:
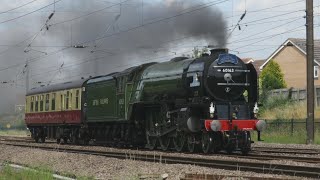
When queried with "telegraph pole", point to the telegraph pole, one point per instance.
{"points": [[310, 71]]}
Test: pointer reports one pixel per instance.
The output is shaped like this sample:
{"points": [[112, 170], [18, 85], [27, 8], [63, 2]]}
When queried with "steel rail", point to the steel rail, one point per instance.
{"points": [[286, 150], [258, 167], [252, 155]]}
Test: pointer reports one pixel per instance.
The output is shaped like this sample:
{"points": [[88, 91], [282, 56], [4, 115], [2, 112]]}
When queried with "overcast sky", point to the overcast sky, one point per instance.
{"points": [[131, 32]]}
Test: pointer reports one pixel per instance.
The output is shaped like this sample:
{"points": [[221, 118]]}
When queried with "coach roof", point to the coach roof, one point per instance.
{"points": [[57, 87]]}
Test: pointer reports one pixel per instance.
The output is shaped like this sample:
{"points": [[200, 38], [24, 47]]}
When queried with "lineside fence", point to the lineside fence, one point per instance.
{"points": [[296, 94], [290, 126]]}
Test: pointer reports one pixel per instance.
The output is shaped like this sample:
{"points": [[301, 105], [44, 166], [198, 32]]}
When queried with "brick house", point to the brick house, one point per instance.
{"points": [[291, 56], [256, 63]]}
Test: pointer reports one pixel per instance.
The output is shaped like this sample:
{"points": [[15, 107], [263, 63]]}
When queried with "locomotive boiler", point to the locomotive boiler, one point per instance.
{"points": [[207, 103]]}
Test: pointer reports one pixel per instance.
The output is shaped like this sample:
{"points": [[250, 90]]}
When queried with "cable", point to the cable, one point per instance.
{"points": [[129, 30], [272, 36], [275, 6], [238, 23], [167, 18], [247, 38], [153, 22], [18, 7], [85, 15], [28, 13]]}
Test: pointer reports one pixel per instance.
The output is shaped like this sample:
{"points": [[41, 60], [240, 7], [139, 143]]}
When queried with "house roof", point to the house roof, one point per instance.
{"points": [[247, 60], [257, 64], [300, 44]]}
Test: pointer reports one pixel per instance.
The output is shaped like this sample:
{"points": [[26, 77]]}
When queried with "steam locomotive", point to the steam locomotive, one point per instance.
{"points": [[207, 104]]}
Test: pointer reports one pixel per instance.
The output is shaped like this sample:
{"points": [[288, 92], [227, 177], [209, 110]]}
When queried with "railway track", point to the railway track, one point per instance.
{"points": [[270, 157], [215, 177], [234, 164], [261, 154], [287, 150], [306, 151]]}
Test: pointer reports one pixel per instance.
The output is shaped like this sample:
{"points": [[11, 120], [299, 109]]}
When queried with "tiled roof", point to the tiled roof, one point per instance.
{"points": [[257, 64], [301, 43], [247, 60]]}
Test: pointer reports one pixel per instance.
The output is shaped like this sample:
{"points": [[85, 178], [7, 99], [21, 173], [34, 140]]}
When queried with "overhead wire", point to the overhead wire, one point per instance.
{"points": [[130, 29], [30, 2], [18, 17], [88, 14], [152, 22], [271, 36]]}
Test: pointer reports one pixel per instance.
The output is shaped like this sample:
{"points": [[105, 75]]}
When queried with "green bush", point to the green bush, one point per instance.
{"points": [[271, 77], [275, 102]]}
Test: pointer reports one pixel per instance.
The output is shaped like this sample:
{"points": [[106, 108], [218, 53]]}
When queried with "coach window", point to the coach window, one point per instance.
{"points": [[71, 100], [32, 104], [36, 104], [41, 103], [67, 100], [61, 102], [47, 103], [53, 101], [77, 99]]}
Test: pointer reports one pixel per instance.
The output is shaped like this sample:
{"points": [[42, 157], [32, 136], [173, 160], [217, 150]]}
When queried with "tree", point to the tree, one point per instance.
{"points": [[271, 77], [199, 52]]}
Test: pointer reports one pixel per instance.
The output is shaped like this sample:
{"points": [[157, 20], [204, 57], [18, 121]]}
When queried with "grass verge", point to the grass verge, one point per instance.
{"points": [[14, 132], [284, 136], [8, 172]]}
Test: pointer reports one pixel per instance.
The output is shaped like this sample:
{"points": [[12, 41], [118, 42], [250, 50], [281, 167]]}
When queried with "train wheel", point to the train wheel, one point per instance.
{"points": [[152, 142], [245, 151], [206, 142], [230, 149], [165, 142], [192, 143], [36, 139], [217, 141], [75, 137], [42, 139], [179, 141], [246, 147], [65, 140]]}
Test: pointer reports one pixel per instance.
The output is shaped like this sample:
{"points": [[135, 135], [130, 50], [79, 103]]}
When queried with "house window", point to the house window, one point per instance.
{"points": [[316, 71]]}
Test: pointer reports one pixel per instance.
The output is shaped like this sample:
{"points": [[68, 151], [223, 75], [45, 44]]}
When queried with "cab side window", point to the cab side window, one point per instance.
{"points": [[121, 83]]}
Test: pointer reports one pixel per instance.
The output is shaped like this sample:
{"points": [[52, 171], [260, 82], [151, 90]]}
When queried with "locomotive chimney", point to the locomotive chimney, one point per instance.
{"points": [[215, 52], [218, 51]]}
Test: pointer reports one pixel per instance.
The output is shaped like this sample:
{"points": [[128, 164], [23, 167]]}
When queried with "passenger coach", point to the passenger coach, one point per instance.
{"points": [[58, 107]]}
